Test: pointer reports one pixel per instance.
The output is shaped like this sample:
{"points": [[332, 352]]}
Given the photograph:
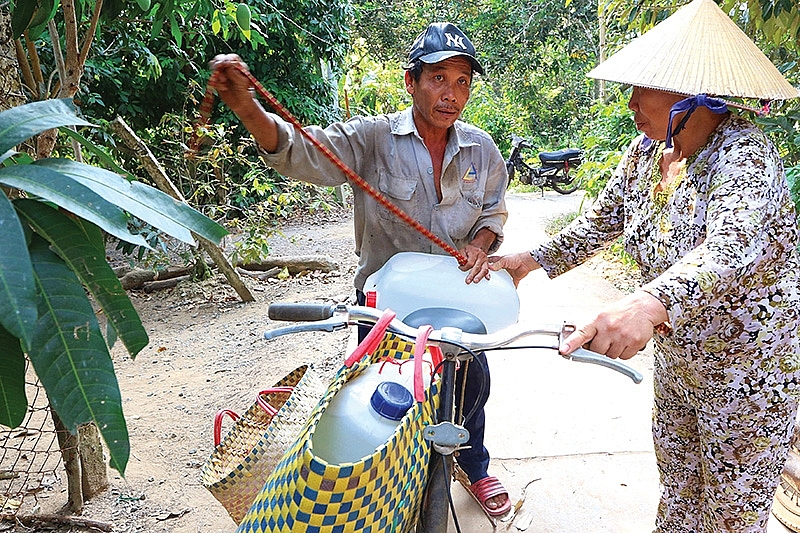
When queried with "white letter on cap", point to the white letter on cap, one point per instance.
{"points": [[455, 41]]}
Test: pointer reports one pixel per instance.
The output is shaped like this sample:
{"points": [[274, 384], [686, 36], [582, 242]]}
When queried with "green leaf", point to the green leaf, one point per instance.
{"points": [[23, 122], [71, 358], [13, 401], [101, 154], [45, 12], [17, 289], [175, 30], [80, 245], [142, 201], [76, 198], [21, 17]]}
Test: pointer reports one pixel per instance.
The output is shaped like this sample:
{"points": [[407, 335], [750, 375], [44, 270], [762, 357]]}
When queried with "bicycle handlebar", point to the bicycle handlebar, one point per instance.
{"points": [[326, 317]]}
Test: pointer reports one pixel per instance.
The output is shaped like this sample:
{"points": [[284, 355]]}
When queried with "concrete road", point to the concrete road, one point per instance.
{"points": [[577, 435]]}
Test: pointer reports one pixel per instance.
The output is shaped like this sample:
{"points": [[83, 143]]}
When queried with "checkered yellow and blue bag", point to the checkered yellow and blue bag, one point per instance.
{"points": [[380, 493]]}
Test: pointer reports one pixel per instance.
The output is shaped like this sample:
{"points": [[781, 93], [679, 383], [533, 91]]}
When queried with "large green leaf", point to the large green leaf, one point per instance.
{"points": [[21, 17], [80, 245], [13, 402], [70, 355], [17, 290], [23, 122], [151, 205], [73, 196], [101, 154]]}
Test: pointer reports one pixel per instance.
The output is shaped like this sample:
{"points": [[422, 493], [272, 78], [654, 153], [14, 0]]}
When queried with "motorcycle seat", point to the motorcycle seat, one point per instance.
{"points": [[567, 154]]}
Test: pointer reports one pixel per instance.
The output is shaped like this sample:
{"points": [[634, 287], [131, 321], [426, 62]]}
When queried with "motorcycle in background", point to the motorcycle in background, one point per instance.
{"points": [[553, 173]]}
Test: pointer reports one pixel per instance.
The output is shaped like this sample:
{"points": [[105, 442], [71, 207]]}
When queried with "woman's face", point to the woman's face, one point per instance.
{"points": [[651, 111]]}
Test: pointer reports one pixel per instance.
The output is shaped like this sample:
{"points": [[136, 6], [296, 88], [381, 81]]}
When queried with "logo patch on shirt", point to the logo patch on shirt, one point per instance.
{"points": [[471, 176]]}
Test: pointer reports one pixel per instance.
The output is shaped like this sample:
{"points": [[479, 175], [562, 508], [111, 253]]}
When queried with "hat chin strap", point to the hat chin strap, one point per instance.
{"points": [[689, 105]]}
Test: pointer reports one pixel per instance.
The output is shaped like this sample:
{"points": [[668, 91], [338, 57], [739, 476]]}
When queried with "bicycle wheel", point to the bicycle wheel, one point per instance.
{"points": [[564, 184], [434, 511]]}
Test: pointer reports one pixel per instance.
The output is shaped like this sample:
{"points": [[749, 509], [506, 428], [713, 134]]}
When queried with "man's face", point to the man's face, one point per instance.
{"points": [[441, 93]]}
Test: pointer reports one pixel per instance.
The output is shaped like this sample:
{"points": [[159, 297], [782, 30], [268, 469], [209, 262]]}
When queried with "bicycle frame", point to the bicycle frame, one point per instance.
{"points": [[446, 435]]}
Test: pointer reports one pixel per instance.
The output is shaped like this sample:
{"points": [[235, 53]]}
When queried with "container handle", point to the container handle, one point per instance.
{"points": [[423, 332], [260, 400], [373, 338], [218, 424]]}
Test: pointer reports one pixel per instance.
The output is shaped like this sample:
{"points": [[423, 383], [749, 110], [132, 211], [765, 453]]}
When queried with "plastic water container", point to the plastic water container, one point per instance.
{"points": [[411, 280], [360, 417]]}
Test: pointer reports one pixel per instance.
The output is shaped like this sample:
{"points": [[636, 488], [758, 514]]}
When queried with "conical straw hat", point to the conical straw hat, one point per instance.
{"points": [[697, 50]]}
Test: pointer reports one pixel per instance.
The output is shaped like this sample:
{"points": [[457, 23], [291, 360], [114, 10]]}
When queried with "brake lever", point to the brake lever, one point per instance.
{"points": [[582, 355], [329, 325]]}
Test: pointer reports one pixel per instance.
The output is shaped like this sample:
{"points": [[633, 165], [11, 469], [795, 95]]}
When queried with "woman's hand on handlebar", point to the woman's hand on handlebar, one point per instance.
{"points": [[622, 329], [518, 265]]}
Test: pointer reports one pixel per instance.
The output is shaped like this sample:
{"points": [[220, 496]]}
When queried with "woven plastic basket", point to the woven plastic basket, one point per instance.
{"points": [[244, 458]]}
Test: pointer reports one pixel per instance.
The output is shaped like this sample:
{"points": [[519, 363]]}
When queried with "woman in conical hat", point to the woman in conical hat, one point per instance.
{"points": [[701, 201]]}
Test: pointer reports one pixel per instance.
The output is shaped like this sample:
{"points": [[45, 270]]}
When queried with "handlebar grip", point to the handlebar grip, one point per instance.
{"points": [[300, 312]]}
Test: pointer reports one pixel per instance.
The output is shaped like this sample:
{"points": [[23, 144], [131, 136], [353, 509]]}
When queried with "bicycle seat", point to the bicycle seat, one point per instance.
{"points": [[440, 317], [560, 156]]}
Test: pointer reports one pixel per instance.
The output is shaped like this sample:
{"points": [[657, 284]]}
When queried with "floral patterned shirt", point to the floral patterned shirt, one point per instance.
{"points": [[718, 248]]}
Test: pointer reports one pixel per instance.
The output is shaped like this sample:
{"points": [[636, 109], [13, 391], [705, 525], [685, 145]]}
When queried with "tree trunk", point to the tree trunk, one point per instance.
{"points": [[94, 474], [11, 94], [68, 443]]}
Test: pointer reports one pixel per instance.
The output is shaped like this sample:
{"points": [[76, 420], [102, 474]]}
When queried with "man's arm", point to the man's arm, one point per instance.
{"points": [[484, 240]]}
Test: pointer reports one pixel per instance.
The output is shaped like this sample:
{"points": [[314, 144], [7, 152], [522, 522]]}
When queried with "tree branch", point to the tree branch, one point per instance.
{"points": [[87, 41], [160, 178], [25, 66], [73, 67], [36, 67]]}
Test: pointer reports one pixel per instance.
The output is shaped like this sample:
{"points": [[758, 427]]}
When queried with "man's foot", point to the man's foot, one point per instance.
{"points": [[492, 496]]}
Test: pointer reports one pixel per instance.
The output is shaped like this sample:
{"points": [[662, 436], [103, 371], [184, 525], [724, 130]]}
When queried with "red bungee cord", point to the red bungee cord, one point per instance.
{"points": [[207, 105]]}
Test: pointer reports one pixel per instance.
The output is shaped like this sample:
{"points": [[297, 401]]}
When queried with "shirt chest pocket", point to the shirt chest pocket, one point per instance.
{"points": [[400, 191]]}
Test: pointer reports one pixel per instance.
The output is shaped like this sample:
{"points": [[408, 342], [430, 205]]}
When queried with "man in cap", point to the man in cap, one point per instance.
{"points": [[444, 173], [702, 203]]}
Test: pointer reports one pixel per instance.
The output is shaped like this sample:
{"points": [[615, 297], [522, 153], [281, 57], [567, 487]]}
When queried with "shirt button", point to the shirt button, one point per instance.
{"points": [[430, 170]]}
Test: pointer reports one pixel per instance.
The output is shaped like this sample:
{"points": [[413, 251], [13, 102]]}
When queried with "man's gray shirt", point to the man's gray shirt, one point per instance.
{"points": [[388, 153]]}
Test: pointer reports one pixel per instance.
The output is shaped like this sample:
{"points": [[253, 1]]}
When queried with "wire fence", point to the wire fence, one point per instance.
{"points": [[30, 458]]}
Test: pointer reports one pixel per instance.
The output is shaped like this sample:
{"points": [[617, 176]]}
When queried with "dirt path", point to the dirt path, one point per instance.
{"points": [[206, 353]]}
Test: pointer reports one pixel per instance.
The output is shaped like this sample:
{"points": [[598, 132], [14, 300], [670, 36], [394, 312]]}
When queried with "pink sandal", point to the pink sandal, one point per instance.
{"points": [[489, 487]]}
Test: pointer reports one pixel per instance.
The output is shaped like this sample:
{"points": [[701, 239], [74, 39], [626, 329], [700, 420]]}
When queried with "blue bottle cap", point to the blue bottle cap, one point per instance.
{"points": [[391, 400]]}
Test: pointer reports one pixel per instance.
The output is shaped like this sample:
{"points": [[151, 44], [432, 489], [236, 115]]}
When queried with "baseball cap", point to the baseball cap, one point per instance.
{"points": [[440, 41]]}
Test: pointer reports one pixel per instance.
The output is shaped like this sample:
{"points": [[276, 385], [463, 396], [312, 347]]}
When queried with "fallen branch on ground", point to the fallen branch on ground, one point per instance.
{"points": [[136, 278], [294, 264], [77, 521], [260, 274], [151, 286]]}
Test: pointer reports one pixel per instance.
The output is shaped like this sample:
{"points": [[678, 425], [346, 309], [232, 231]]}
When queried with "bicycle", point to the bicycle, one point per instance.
{"points": [[553, 173], [458, 345]]}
